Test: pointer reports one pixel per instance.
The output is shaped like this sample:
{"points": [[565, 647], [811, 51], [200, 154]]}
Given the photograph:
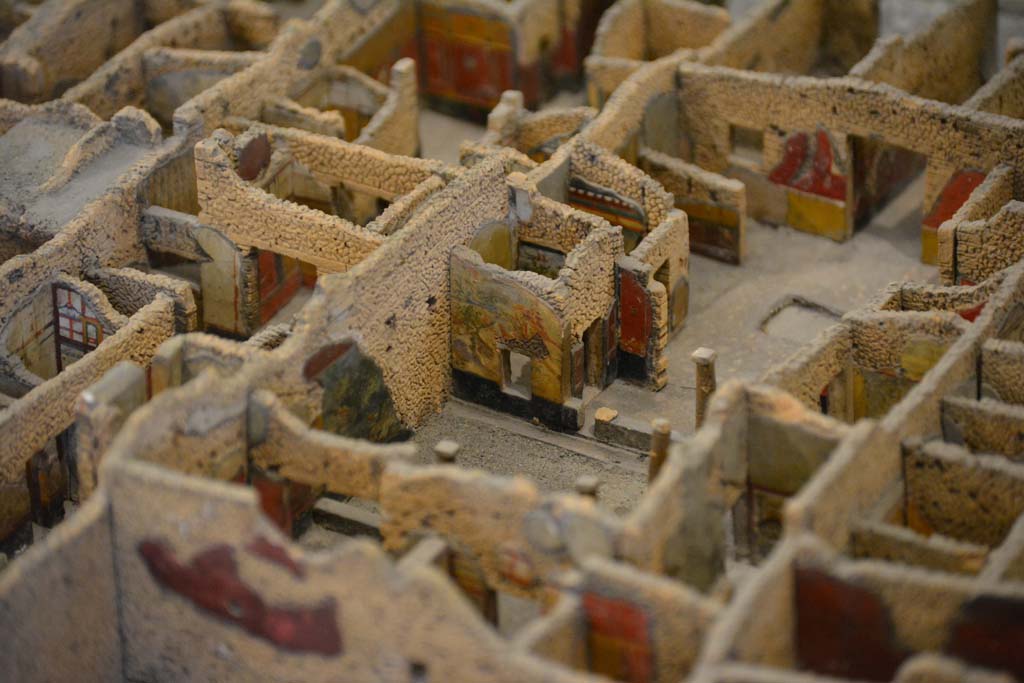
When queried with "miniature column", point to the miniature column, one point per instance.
{"points": [[445, 451], [704, 359], [587, 485], [661, 436]]}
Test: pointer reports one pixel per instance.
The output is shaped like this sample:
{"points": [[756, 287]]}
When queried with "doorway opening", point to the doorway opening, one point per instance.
{"points": [[516, 374], [889, 187]]}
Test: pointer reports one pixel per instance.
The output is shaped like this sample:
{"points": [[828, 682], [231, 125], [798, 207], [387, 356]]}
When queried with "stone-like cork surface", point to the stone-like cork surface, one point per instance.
{"points": [[822, 195]]}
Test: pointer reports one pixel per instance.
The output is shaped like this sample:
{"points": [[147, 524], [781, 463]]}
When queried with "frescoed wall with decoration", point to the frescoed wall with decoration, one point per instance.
{"points": [[473, 50], [58, 325], [496, 312]]}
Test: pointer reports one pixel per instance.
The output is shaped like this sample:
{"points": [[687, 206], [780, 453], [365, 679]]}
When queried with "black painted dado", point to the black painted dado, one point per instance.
{"points": [[485, 392]]}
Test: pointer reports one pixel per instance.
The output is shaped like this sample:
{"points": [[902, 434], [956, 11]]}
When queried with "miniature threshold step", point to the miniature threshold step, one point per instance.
{"points": [[346, 518], [577, 443], [616, 429]]}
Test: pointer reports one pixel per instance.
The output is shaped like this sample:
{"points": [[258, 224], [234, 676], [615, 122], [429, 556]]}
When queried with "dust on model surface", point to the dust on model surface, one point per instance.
{"points": [[533, 340]]}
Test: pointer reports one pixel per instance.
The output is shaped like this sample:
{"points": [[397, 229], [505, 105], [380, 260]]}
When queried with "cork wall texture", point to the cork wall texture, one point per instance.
{"points": [[548, 340]]}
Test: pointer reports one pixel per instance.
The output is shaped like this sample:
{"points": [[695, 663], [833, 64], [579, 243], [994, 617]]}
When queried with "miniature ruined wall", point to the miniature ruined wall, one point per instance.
{"points": [[920, 411], [595, 165], [276, 75], [343, 102], [666, 249], [892, 353], [128, 290], [984, 202], [105, 233], [781, 36], [217, 447], [1003, 93], [623, 116], [675, 24], [591, 247], [633, 31], [63, 42], [288, 113], [783, 447], [619, 29], [266, 572], [589, 279], [560, 634], [945, 61], [333, 161], [250, 216], [886, 603], [49, 409], [100, 412], [967, 302], [393, 36], [186, 356], [797, 37], [988, 246], [987, 425], [228, 274], [677, 528], [230, 598], [395, 126], [715, 98], [172, 183], [715, 206], [870, 360], [676, 617], [404, 208], [536, 134], [29, 336], [513, 38], [349, 607], [758, 626], [59, 604], [1002, 369], [812, 368], [121, 81], [30, 332], [757, 448], [493, 308], [336, 28], [862, 468], [869, 463], [409, 340], [175, 75], [640, 30], [505, 526], [592, 179], [346, 467], [542, 129], [551, 223], [903, 343]]}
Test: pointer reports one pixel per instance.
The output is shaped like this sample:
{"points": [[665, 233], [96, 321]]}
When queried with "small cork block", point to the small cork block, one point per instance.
{"points": [[605, 414], [446, 451], [587, 485], [661, 425], [704, 356]]}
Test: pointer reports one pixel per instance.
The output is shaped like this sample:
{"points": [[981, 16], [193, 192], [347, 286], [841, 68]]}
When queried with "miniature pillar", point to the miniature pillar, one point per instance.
{"points": [[704, 359], [445, 451], [587, 485], [661, 435]]}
